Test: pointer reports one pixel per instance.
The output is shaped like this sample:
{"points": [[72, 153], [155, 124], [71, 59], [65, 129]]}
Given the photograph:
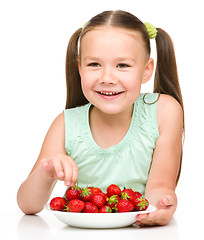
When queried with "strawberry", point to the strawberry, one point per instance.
{"points": [[112, 201], [95, 190], [58, 203], [86, 194], [105, 209], [75, 205], [137, 194], [113, 190], [127, 194], [98, 199], [140, 203], [90, 208], [103, 194], [73, 193], [124, 206]]}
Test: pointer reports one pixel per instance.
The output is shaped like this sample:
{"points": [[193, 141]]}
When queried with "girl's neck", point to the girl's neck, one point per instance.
{"points": [[109, 129], [123, 118]]}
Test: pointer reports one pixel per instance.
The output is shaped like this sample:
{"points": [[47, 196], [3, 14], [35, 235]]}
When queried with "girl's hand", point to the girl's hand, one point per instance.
{"points": [[166, 207], [60, 167]]}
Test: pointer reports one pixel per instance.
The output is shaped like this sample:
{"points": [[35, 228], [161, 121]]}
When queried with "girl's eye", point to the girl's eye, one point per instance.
{"points": [[94, 64], [122, 65]]}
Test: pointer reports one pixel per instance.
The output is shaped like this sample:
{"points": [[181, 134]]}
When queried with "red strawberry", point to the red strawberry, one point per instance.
{"points": [[86, 194], [75, 205], [103, 194], [58, 203], [137, 194], [112, 201], [113, 190], [95, 190], [98, 199], [140, 203], [73, 193], [124, 206], [105, 209], [90, 208], [127, 194]]}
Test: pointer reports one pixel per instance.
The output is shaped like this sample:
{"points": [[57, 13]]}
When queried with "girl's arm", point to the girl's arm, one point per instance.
{"points": [[161, 184], [52, 164]]}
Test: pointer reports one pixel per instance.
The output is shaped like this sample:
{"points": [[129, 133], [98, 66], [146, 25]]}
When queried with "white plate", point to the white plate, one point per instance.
{"points": [[98, 220]]}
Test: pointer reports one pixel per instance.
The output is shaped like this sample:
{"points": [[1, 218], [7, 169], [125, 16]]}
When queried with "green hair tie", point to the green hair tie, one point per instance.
{"points": [[84, 25], [151, 30]]}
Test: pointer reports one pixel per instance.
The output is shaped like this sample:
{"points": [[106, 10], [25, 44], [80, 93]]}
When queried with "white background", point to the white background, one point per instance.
{"points": [[33, 42]]}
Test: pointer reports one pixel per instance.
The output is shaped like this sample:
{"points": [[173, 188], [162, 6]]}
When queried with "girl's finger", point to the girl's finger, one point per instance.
{"points": [[47, 168], [162, 217], [166, 201], [144, 220], [45, 163], [58, 169], [74, 173], [159, 217], [140, 216], [71, 171], [68, 171]]}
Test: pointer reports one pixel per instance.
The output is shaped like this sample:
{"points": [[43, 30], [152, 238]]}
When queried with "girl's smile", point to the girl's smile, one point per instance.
{"points": [[112, 66], [108, 95]]}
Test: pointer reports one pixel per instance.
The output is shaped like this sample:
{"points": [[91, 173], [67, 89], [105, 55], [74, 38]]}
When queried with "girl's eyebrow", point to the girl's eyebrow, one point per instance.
{"points": [[119, 59], [92, 58]]}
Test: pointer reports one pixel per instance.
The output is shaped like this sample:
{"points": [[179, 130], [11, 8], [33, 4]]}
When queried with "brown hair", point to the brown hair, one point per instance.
{"points": [[166, 76]]}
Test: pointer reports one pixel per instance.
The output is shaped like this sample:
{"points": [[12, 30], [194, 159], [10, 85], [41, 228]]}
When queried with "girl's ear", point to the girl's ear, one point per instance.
{"points": [[148, 70]]}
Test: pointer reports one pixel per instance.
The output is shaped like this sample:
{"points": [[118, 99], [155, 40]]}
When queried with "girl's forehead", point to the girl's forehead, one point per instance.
{"points": [[111, 42], [109, 30]]}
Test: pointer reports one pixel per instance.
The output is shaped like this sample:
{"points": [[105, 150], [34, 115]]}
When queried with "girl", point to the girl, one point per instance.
{"points": [[110, 132]]}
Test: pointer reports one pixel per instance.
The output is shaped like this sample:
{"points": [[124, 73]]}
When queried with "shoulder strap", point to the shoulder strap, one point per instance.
{"points": [[150, 110], [74, 121]]}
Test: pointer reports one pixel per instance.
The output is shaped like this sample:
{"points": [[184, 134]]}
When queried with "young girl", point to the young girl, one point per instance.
{"points": [[110, 132]]}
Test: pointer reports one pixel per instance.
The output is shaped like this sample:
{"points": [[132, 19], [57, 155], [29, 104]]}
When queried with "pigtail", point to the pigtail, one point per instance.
{"points": [[75, 96], [166, 75]]}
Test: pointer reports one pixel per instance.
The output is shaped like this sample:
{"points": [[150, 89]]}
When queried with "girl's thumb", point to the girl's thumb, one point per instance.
{"points": [[166, 201]]}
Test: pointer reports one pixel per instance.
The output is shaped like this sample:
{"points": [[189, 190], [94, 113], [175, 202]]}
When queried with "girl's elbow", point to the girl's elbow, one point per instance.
{"points": [[29, 210]]}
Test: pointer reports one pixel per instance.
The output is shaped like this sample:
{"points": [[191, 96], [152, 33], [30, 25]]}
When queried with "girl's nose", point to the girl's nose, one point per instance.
{"points": [[107, 77]]}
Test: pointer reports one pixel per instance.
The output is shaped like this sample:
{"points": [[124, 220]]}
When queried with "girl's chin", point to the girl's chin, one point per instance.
{"points": [[109, 109]]}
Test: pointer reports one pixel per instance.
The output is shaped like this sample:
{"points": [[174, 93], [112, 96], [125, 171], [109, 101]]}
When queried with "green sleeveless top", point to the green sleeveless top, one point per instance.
{"points": [[127, 163]]}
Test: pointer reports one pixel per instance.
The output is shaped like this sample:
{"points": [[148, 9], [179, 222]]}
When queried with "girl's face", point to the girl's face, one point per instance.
{"points": [[113, 64]]}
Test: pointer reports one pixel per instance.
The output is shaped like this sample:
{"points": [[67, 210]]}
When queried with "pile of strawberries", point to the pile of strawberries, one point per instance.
{"points": [[93, 200]]}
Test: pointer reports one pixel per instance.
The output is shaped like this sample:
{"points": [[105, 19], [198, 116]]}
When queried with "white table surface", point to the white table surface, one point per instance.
{"points": [[44, 226], [187, 222]]}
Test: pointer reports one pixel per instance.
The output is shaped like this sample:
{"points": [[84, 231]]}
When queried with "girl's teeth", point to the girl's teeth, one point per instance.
{"points": [[109, 93]]}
